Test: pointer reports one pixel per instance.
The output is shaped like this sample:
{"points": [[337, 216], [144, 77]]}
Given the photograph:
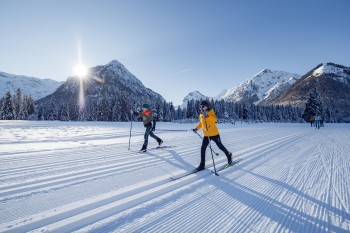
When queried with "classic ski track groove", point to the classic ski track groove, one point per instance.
{"points": [[52, 166], [114, 205], [85, 213], [62, 180]]}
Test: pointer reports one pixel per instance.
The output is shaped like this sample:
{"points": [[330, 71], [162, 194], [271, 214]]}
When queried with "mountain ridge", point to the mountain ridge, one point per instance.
{"points": [[331, 81], [267, 87], [36, 87], [106, 91], [259, 89]]}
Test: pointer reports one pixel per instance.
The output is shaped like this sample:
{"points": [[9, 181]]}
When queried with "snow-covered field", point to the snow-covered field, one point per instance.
{"points": [[80, 176]]}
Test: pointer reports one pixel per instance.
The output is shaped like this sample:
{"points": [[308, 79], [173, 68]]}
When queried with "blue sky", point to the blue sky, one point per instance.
{"points": [[174, 47]]}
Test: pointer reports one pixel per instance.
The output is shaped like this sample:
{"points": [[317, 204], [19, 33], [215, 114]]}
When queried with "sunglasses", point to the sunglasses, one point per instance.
{"points": [[203, 106]]}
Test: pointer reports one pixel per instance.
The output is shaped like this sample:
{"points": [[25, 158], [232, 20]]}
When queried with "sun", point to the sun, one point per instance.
{"points": [[80, 70]]}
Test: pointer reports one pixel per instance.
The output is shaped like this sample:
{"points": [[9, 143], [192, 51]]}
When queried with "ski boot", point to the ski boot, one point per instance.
{"points": [[200, 167], [229, 158], [144, 148]]}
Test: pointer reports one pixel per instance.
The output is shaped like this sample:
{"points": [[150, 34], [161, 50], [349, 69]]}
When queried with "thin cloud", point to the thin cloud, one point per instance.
{"points": [[182, 71]]}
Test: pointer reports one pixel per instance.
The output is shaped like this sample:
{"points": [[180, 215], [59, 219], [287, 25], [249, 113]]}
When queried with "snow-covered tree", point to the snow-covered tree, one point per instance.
{"points": [[30, 104], [7, 109], [17, 101], [50, 112], [63, 113], [104, 110], [313, 106], [121, 109], [40, 112], [23, 112], [166, 111]]}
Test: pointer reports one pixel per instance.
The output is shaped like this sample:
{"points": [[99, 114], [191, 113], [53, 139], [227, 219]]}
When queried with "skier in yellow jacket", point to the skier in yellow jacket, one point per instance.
{"points": [[207, 121]]}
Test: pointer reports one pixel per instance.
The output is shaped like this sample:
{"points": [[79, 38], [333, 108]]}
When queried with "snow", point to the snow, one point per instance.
{"points": [[81, 177], [124, 74], [265, 85], [329, 68], [195, 95], [37, 87]]}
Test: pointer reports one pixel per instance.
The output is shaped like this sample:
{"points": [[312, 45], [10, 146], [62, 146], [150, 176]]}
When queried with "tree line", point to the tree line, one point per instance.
{"points": [[16, 107], [22, 107]]}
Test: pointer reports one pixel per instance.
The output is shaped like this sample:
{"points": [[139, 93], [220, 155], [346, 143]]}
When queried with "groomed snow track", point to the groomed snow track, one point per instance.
{"points": [[293, 178]]}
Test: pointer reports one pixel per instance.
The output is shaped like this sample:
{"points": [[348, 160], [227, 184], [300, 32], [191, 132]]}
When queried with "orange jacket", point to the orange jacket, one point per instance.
{"points": [[147, 116], [208, 124]]}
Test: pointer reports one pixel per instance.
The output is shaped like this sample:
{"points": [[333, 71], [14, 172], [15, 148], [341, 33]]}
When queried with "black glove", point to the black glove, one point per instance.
{"points": [[153, 128], [194, 130]]}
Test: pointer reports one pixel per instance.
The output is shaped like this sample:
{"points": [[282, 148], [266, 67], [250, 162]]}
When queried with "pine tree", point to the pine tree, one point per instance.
{"points": [[40, 112], [82, 115], [178, 114], [7, 109], [313, 106], [244, 112], [166, 111], [172, 112], [17, 101], [23, 113], [63, 114], [120, 111], [191, 109], [104, 110], [50, 113], [30, 105]]}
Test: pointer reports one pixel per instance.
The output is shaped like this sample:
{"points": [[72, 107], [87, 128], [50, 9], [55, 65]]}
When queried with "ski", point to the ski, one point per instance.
{"points": [[195, 171], [228, 165], [154, 148], [187, 174]]}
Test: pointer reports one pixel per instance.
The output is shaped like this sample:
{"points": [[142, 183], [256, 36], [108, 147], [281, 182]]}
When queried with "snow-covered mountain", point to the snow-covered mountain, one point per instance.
{"points": [[221, 95], [37, 87], [104, 84], [261, 88], [195, 95], [337, 72], [331, 81]]}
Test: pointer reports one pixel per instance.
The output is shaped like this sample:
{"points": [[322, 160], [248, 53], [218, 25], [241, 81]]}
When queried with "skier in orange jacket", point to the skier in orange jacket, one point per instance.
{"points": [[150, 124]]}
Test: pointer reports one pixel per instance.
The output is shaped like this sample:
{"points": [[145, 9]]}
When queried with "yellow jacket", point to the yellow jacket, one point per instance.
{"points": [[208, 124]]}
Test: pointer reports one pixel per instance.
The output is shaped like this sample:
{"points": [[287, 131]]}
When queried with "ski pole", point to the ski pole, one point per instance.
{"points": [[175, 130], [217, 154], [212, 156], [211, 151], [130, 129]]}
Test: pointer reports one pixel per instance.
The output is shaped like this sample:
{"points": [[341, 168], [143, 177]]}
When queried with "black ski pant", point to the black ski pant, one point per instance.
{"points": [[149, 132], [217, 141]]}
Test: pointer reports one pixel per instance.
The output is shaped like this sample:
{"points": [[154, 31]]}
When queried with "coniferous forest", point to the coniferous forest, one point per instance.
{"points": [[22, 107]]}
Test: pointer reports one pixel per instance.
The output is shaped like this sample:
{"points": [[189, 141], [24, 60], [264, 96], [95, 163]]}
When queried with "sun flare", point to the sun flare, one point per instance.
{"points": [[80, 70]]}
